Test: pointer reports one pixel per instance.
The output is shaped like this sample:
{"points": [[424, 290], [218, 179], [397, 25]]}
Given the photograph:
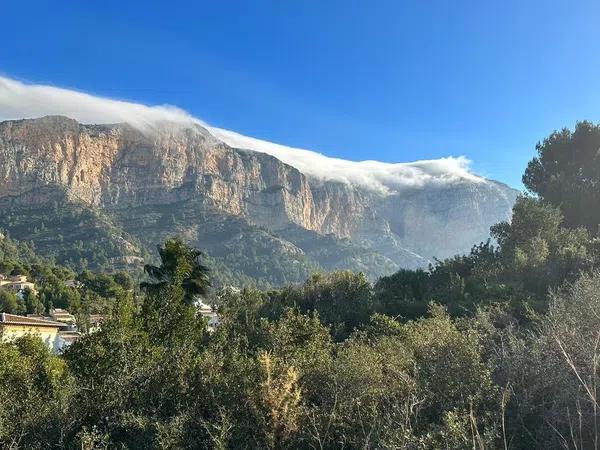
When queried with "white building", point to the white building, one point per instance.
{"points": [[13, 327], [16, 283], [63, 316]]}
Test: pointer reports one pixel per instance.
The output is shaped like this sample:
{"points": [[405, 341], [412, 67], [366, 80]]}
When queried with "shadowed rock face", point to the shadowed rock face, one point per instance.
{"points": [[120, 171]]}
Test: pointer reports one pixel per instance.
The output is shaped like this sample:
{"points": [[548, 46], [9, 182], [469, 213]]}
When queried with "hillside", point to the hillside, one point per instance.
{"points": [[93, 195]]}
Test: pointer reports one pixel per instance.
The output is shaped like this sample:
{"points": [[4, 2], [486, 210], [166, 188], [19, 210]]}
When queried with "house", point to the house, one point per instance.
{"points": [[18, 278], [63, 316], [13, 327], [16, 283]]}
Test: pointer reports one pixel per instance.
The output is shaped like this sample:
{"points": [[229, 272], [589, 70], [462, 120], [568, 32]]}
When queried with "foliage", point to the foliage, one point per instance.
{"points": [[180, 267], [313, 367], [551, 374], [36, 389], [10, 303], [566, 174], [343, 300], [73, 234], [535, 253]]}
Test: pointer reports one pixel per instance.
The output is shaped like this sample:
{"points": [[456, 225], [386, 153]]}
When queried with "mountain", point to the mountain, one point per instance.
{"points": [[99, 194]]}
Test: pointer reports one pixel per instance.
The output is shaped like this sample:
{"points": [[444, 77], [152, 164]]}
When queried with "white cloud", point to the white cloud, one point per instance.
{"points": [[19, 100], [376, 175], [24, 101]]}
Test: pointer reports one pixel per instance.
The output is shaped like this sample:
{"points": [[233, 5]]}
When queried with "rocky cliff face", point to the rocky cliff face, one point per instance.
{"points": [[113, 166], [129, 176]]}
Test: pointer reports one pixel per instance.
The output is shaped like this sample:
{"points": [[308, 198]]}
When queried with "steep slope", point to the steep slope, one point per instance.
{"points": [[130, 189], [410, 212]]}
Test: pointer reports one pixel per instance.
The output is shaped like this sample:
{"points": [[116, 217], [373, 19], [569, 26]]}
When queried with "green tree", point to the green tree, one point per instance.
{"points": [[33, 304], [405, 293], [552, 373], [461, 283], [180, 268], [566, 174], [537, 252], [141, 386], [10, 303], [168, 309], [423, 384], [343, 300], [124, 280], [36, 389], [53, 293]]}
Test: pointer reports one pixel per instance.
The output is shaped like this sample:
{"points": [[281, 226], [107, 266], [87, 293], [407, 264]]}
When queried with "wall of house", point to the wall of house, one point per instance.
{"points": [[47, 334]]}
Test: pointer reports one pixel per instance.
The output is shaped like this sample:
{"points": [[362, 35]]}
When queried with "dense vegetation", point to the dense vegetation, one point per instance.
{"points": [[74, 235], [495, 349], [82, 237], [96, 293]]}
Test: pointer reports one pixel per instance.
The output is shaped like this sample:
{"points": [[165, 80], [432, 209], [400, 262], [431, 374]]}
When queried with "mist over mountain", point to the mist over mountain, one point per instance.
{"points": [[119, 177]]}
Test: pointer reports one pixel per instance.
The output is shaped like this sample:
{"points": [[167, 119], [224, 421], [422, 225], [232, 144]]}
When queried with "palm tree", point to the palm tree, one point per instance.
{"points": [[180, 268]]}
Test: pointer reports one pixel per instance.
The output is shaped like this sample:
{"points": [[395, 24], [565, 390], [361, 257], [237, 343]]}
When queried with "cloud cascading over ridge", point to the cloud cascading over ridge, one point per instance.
{"points": [[376, 175], [27, 101], [19, 100]]}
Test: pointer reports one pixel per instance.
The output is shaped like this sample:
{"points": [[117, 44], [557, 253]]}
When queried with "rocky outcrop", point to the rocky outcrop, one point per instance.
{"points": [[117, 168], [108, 166]]}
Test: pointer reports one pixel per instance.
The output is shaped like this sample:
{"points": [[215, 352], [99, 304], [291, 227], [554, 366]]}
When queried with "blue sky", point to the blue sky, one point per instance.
{"points": [[387, 80]]}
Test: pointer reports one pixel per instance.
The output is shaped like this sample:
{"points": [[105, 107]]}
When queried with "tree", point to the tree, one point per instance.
{"points": [[10, 303], [53, 293], [343, 300], [552, 373], [566, 174], [180, 268], [422, 384], [33, 303], [405, 293], [35, 387], [102, 284], [168, 308], [537, 252], [141, 386], [124, 280], [461, 284]]}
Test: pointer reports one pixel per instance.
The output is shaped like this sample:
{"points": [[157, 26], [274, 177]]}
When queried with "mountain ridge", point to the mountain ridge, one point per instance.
{"points": [[128, 175]]}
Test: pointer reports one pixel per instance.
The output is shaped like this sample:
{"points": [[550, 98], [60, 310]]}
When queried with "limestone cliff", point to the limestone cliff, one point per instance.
{"points": [[129, 176]]}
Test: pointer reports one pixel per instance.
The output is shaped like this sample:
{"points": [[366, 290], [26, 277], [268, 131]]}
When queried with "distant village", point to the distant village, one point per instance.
{"points": [[59, 329]]}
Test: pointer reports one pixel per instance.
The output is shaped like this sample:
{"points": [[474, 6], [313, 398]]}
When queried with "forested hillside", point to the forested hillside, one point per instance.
{"points": [[495, 349]]}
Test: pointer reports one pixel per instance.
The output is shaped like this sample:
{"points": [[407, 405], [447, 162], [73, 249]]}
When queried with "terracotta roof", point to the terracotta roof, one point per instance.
{"points": [[13, 319]]}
